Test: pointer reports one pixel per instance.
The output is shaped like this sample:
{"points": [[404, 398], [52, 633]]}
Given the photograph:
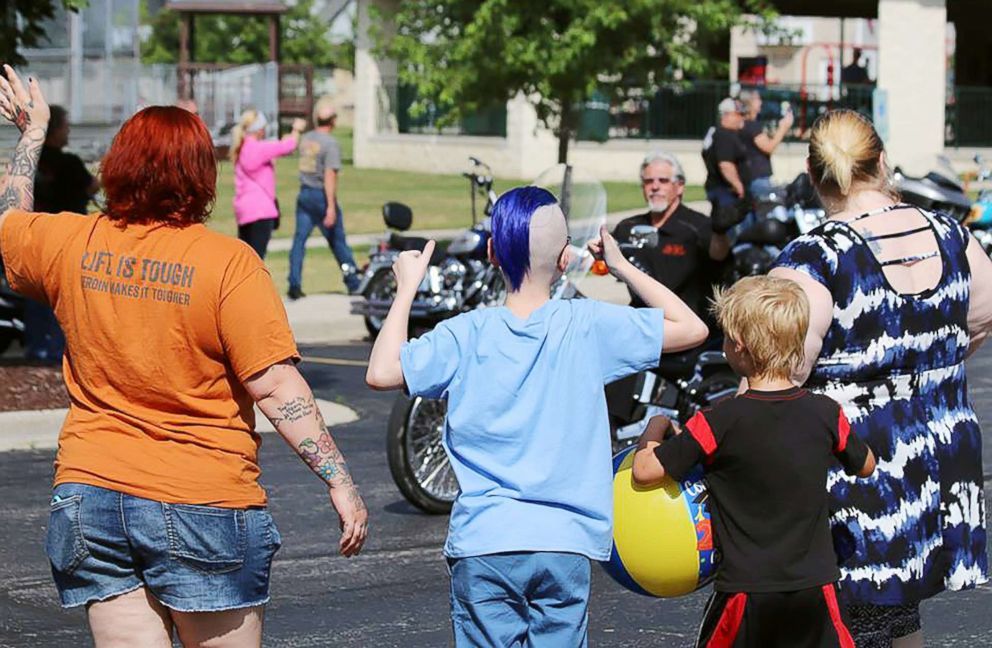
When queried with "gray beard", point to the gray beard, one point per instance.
{"points": [[658, 208]]}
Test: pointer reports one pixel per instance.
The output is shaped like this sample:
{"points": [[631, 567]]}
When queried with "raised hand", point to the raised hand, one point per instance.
{"points": [[411, 266], [606, 249], [788, 119], [24, 107]]}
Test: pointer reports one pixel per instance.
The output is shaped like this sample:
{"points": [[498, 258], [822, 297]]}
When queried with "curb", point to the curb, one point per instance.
{"points": [[39, 429]]}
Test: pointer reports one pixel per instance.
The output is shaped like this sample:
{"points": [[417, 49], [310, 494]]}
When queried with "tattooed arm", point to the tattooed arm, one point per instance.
{"points": [[26, 109], [285, 398]]}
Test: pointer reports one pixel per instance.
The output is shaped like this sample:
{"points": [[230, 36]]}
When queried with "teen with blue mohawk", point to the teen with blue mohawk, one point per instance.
{"points": [[527, 431]]}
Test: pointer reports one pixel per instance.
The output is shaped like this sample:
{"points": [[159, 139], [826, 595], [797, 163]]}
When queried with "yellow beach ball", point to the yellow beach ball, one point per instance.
{"points": [[662, 535]]}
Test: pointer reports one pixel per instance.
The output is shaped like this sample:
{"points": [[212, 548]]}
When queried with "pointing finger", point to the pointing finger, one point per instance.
{"points": [[15, 83]]}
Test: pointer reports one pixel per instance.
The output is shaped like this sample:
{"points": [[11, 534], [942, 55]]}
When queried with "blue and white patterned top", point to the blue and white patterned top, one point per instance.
{"points": [[895, 362]]}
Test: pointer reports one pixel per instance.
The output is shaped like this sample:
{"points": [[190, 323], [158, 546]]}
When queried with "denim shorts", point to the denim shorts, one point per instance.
{"points": [[102, 543]]}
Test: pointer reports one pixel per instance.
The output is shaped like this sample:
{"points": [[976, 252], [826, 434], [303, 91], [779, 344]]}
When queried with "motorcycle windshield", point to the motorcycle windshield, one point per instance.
{"points": [[583, 199]]}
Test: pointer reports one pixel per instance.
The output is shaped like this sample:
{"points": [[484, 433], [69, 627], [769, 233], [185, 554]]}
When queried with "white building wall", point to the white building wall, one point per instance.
{"points": [[912, 70]]}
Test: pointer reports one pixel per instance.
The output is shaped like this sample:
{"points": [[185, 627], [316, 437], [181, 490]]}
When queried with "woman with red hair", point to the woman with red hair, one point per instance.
{"points": [[173, 333]]}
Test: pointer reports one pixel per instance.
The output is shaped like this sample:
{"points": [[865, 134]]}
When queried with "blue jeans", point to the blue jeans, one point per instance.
{"points": [[102, 543], [520, 599], [760, 185], [311, 205], [43, 337]]}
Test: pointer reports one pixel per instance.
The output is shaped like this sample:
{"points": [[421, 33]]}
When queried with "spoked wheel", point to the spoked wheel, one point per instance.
{"points": [[382, 287], [417, 459]]}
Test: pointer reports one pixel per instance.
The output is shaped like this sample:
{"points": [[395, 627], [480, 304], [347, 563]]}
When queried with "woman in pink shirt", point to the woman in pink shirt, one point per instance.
{"points": [[256, 208]]}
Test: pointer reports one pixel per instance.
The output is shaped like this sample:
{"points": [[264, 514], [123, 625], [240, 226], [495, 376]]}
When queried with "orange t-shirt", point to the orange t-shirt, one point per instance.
{"points": [[162, 325]]}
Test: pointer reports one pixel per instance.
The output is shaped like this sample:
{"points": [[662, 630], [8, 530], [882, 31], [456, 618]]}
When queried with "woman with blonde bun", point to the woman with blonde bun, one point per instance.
{"points": [[899, 297], [256, 208]]}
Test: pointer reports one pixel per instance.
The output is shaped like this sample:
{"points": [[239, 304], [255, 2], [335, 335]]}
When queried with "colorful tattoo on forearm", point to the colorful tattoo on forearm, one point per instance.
{"points": [[17, 186], [323, 457]]}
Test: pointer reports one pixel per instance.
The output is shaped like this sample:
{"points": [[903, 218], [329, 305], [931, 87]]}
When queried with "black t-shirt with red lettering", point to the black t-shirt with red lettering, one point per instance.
{"points": [[766, 456], [681, 261]]}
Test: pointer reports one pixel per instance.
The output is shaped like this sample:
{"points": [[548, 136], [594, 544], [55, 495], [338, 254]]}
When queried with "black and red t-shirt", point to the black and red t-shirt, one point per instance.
{"points": [[766, 456]]}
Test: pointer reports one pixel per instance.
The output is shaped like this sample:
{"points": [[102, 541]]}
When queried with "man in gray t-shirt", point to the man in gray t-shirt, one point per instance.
{"points": [[317, 204], [318, 151]]}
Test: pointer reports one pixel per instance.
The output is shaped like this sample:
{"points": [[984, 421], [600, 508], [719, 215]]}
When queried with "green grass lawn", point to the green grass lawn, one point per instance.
{"points": [[320, 270], [438, 201]]}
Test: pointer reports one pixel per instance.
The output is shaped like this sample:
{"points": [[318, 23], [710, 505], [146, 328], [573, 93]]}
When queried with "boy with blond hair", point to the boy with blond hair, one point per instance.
{"points": [[766, 454], [527, 431]]}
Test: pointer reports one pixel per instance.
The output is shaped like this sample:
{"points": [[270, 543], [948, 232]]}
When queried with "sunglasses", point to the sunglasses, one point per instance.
{"points": [[661, 181]]}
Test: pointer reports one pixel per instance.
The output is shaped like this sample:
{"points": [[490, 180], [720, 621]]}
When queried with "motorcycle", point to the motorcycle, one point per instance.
{"points": [[939, 190], [779, 215], [459, 278], [680, 386], [979, 220], [11, 314], [416, 456], [377, 284]]}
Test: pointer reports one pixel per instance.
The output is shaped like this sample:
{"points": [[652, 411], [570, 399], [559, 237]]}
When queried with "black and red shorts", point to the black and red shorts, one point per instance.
{"points": [[809, 618]]}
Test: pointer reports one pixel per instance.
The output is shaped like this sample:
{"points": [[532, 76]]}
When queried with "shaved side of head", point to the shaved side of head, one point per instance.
{"points": [[548, 236]]}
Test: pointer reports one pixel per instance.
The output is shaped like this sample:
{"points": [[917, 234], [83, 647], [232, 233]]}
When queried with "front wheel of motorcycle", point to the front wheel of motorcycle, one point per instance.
{"points": [[382, 287], [417, 459]]}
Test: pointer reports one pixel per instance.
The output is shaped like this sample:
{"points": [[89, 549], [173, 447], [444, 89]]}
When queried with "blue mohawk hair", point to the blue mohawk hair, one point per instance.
{"points": [[511, 229]]}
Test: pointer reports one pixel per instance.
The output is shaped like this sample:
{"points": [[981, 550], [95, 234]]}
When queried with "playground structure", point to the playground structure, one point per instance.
{"points": [[222, 90]]}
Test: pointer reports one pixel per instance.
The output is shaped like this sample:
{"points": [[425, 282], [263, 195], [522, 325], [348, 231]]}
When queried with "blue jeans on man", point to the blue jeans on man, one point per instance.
{"points": [[528, 598], [311, 205]]}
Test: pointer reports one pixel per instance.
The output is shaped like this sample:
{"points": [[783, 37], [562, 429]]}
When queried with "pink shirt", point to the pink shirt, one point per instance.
{"points": [[255, 178]]}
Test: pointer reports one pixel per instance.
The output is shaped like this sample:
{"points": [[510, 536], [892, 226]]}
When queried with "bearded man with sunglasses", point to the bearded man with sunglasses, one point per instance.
{"points": [[688, 256]]}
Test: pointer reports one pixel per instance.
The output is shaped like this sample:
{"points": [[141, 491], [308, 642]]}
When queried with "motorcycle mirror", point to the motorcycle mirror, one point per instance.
{"points": [[642, 236]]}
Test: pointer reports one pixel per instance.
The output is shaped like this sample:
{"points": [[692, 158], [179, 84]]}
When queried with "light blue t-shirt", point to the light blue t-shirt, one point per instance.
{"points": [[527, 431]]}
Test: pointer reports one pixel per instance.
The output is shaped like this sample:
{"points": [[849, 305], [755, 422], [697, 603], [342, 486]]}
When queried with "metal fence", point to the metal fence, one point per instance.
{"points": [[969, 117], [222, 93], [108, 90], [491, 122], [687, 111], [113, 90]]}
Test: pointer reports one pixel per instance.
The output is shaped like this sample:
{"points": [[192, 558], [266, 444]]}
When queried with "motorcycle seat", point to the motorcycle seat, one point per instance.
{"points": [[683, 364], [402, 243], [678, 365], [766, 232]]}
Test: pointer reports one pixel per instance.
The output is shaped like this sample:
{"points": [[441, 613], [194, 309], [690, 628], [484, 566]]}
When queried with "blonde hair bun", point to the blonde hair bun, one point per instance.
{"points": [[844, 150]]}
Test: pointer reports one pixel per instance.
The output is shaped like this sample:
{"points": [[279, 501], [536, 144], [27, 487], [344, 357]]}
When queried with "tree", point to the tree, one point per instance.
{"points": [[466, 55], [22, 25], [245, 39]]}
